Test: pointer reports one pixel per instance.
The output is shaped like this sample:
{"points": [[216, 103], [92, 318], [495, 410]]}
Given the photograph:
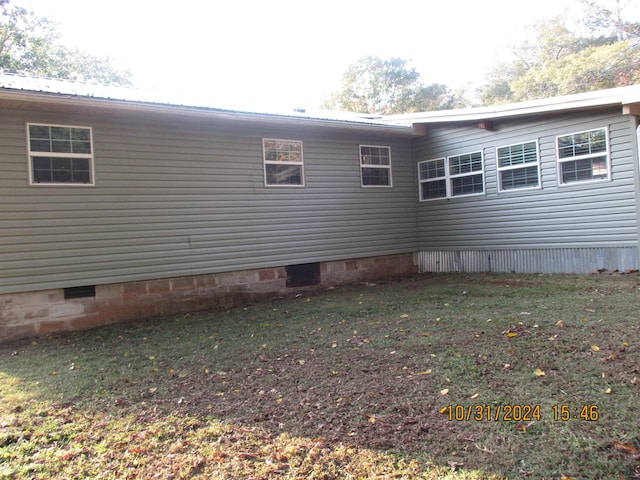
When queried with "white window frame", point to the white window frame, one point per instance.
{"points": [[373, 166], [440, 178], [267, 162], [520, 166], [449, 177], [31, 154], [606, 154]]}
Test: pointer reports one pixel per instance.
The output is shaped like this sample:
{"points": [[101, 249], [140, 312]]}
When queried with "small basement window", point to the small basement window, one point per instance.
{"points": [[303, 275], [86, 291]]}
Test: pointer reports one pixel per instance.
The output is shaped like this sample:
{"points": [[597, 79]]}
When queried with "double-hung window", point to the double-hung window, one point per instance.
{"points": [[60, 155], [283, 164], [583, 156], [454, 176], [518, 166], [375, 166]]}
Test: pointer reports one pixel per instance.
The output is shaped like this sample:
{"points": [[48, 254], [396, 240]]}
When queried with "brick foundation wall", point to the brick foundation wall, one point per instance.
{"points": [[47, 311]]}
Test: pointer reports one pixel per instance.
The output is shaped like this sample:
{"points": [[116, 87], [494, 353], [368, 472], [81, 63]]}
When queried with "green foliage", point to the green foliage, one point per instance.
{"points": [[29, 45], [562, 61], [374, 85]]}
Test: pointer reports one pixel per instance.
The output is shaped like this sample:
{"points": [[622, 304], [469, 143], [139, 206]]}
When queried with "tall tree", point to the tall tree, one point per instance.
{"points": [[374, 85], [561, 61], [29, 45]]}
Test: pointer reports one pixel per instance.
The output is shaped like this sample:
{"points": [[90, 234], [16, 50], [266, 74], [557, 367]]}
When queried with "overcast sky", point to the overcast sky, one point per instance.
{"points": [[276, 55]]}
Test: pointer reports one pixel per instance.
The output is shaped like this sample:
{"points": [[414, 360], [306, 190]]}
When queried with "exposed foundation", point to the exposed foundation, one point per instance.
{"points": [[48, 311]]}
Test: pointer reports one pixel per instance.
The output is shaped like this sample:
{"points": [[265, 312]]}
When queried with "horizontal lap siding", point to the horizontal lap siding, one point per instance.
{"points": [[180, 197], [587, 215]]}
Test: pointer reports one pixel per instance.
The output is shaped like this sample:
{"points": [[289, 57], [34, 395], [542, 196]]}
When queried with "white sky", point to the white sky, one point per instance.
{"points": [[276, 55]]}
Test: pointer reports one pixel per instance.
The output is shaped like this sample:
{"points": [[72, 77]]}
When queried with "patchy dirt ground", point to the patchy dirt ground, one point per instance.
{"points": [[377, 366]]}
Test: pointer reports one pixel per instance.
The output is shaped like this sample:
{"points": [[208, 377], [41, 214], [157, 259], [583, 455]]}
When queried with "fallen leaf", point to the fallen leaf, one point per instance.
{"points": [[153, 390], [607, 391], [53, 373], [474, 396], [538, 373], [512, 334], [425, 372], [595, 348], [524, 426], [404, 315], [444, 391], [627, 447], [560, 323], [588, 309], [246, 455]]}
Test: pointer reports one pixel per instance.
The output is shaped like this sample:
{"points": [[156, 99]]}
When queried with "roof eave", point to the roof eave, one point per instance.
{"points": [[61, 99], [624, 97]]}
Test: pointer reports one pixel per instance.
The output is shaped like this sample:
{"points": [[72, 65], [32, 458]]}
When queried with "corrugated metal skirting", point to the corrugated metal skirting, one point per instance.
{"points": [[557, 260]]}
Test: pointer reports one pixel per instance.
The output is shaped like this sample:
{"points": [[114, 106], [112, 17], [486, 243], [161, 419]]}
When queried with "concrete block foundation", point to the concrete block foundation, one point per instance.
{"points": [[43, 312]]}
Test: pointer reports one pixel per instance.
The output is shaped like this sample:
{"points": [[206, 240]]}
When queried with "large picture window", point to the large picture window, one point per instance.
{"points": [[518, 166], [583, 156], [60, 155], [375, 166], [454, 176], [283, 164]]}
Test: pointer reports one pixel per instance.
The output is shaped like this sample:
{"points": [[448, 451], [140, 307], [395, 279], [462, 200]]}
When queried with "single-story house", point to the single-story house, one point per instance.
{"points": [[114, 206]]}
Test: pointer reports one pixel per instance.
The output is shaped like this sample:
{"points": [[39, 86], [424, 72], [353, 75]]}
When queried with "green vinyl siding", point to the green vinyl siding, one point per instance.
{"points": [[588, 215], [178, 196]]}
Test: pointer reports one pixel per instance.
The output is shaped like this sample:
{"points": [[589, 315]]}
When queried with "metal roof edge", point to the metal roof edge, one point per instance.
{"points": [[52, 91], [598, 98]]}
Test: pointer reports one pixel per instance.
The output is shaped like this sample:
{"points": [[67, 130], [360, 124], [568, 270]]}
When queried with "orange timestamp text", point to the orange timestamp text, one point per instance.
{"points": [[519, 413]]}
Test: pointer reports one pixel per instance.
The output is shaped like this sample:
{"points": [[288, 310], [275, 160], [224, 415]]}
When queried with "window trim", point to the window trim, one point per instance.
{"points": [[500, 169], [31, 155], [448, 177], [606, 154], [365, 165], [266, 162], [435, 179]]}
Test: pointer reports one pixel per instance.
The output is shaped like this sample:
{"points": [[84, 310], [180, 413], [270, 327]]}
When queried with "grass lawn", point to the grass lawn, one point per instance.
{"points": [[432, 376]]}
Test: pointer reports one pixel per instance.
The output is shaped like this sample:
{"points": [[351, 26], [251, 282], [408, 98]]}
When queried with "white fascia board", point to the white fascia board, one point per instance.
{"points": [[615, 96]]}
